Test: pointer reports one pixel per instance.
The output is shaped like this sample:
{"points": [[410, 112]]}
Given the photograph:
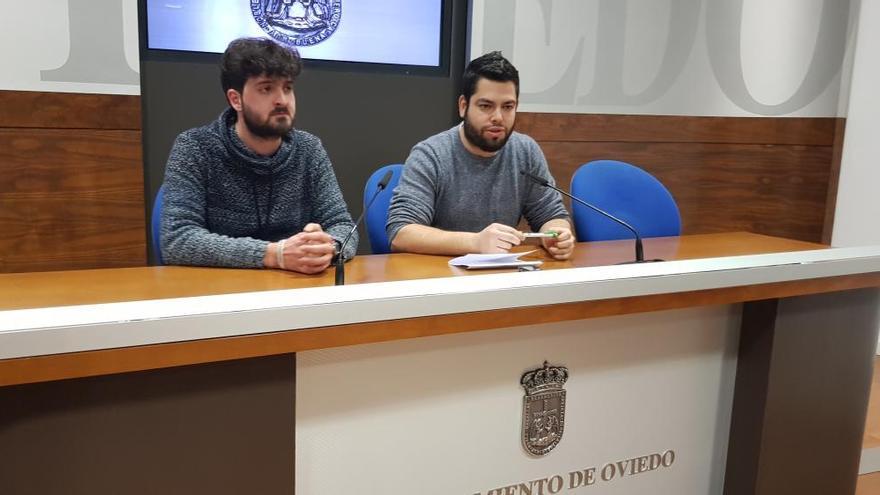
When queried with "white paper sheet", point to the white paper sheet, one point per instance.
{"points": [[499, 260]]}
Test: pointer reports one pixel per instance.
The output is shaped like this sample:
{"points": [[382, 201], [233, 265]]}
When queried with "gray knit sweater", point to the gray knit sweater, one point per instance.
{"points": [[445, 186], [224, 203]]}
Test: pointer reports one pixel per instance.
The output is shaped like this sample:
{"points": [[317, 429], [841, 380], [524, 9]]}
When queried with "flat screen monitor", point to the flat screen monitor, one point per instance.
{"points": [[392, 32]]}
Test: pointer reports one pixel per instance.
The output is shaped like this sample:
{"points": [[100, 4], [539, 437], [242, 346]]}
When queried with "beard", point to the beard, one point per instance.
{"points": [[476, 138], [270, 127]]}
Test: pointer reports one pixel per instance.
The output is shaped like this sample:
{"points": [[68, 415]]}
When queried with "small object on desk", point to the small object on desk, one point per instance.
{"points": [[540, 235], [501, 260], [528, 268]]}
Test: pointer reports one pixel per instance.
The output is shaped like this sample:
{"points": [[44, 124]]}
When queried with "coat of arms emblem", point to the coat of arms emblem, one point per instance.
{"points": [[298, 22], [543, 408]]}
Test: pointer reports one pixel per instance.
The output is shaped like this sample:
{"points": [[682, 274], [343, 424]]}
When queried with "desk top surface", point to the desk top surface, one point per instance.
{"points": [[46, 289], [59, 325]]}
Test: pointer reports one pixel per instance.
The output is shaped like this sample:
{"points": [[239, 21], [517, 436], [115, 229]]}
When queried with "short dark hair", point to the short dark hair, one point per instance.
{"points": [[252, 57], [492, 66]]}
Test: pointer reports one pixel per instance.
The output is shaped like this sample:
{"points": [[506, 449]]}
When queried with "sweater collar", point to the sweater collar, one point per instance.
{"points": [[244, 156]]}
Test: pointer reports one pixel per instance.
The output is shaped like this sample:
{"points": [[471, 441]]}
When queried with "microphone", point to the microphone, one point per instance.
{"points": [[340, 259], [640, 255]]}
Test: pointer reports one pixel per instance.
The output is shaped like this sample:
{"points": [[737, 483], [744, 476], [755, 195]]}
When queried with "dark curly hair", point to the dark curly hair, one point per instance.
{"points": [[252, 57]]}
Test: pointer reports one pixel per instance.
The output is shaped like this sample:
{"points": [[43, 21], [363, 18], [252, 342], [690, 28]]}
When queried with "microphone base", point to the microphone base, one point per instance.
{"points": [[340, 271], [636, 262]]}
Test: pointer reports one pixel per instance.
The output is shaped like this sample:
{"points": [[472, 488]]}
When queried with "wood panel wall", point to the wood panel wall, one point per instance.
{"points": [[71, 182], [72, 192], [774, 176]]}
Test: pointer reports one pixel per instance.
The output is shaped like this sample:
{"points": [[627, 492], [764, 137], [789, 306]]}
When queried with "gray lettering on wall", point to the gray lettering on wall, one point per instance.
{"points": [[609, 57], [97, 53], [608, 89], [546, 11], [498, 32], [724, 21], [565, 90]]}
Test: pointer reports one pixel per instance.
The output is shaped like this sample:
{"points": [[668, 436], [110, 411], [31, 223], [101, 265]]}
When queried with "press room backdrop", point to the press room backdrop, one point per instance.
{"points": [[738, 106], [734, 105]]}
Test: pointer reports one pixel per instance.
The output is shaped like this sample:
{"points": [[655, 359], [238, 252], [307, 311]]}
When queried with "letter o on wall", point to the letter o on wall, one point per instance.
{"points": [[608, 472], [555, 484]]}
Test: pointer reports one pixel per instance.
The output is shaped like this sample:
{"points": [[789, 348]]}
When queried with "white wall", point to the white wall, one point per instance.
{"points": [[858, 202], [856, 220], [79, 46], [673, 57]]}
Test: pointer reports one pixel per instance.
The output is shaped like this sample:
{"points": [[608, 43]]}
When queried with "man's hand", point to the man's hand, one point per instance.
{"points": [[497, 238], [561, 246], [308, 252]]}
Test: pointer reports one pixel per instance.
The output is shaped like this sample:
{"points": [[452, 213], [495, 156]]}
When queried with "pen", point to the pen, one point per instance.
{"points": [[539, 235]]}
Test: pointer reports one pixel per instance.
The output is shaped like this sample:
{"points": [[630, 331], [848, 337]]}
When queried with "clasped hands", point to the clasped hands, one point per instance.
{"points": [[310, 251], [499, 238]]}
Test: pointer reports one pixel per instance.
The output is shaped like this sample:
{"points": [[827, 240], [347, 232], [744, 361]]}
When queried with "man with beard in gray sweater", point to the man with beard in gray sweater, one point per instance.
{"points": [[248, 190], [462, 191]]}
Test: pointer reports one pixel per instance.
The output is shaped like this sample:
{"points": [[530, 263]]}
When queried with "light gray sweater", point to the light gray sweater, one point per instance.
{"points": [[445, 186], [224, 203]]}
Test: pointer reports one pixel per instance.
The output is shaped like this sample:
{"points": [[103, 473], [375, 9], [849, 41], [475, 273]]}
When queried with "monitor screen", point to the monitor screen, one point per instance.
{"points": [[400, 32]]}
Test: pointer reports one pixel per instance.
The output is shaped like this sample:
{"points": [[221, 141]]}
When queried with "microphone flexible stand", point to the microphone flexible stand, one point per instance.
{"points": [[640, 252], [340, 258]]}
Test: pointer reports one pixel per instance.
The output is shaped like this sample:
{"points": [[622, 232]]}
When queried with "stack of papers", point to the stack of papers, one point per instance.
{"points": [[502, 260]]}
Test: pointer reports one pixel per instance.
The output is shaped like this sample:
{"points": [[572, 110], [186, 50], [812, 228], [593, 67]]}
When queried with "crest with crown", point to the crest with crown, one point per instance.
{"points": [[544, 379]]}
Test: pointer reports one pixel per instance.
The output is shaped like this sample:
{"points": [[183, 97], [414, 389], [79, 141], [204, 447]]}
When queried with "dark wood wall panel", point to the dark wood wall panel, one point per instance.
{"points": [[71, 182], [766, 175], [71, 190], [69, 110], [834, 180], [723, 187], [677, 128]]}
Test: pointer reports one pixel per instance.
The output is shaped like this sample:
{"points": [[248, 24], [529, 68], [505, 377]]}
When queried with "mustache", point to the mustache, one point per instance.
{"points": [[280, 112]]}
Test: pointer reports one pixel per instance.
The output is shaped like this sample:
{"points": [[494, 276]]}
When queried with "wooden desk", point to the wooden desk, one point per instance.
{"points": [[46, 289], [760, 457], [42, 289]]}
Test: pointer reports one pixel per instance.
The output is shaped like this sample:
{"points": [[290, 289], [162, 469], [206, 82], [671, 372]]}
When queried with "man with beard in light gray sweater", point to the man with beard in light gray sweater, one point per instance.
{"points": [[249, 190], [462, 191]]}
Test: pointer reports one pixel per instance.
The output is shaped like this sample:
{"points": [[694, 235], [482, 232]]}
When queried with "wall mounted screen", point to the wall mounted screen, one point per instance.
{"points": [[399, 32]]}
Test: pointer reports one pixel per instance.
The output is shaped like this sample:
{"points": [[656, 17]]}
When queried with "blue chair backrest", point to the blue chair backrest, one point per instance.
{"points": [[378, 213], [156, 224], [627, 192]]}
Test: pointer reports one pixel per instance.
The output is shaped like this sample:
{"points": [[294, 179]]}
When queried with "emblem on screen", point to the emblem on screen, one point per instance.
{"points": [[298, 22], [543, 408]]}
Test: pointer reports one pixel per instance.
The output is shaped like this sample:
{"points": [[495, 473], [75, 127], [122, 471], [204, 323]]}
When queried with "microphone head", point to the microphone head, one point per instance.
{"points": [[386, 179]]}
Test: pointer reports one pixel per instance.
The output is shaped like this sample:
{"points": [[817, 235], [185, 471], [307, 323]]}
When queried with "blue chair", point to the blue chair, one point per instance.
{"points": [[156, 225], [627, 192], [378, 214]]}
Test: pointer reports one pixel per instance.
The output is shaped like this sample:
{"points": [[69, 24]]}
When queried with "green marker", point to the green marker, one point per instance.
{"points": [[540, 235]]}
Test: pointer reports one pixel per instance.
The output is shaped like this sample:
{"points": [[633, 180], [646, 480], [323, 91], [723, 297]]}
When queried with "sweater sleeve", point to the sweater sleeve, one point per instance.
{"points": [[542, 203], [186, 239], [414, 198], [328, 205]]}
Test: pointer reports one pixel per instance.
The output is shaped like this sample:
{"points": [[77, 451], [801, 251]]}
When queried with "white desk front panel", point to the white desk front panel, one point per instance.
{"points": [[442, 415]]}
